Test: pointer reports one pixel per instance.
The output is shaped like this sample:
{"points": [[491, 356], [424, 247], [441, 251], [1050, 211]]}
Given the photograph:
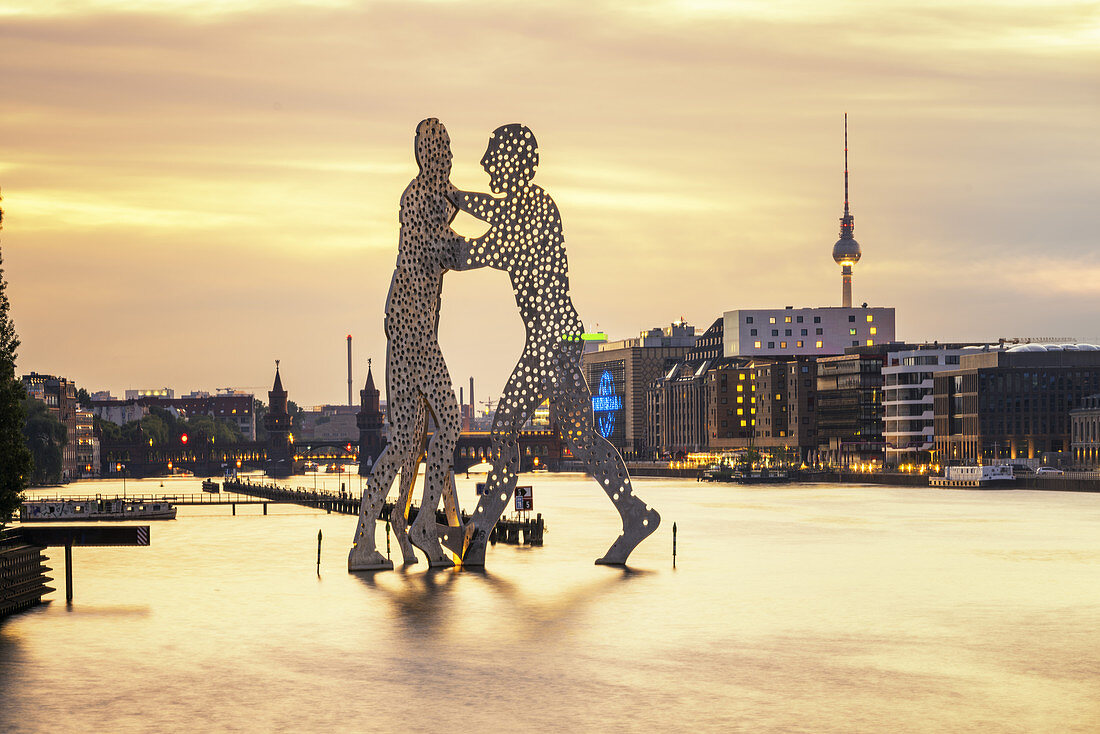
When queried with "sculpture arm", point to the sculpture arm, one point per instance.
{"points": [[482, 206], [488, 249]]}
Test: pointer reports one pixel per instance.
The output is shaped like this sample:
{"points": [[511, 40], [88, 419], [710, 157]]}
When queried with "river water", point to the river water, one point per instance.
{"points": [[804, 608]]}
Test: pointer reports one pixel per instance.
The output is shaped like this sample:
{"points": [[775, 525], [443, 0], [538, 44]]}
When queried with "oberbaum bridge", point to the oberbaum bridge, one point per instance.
{"points": [[282, 454]]}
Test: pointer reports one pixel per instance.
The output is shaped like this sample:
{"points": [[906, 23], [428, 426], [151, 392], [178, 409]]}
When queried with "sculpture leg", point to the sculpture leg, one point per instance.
{"points": [[438, 477], [517, 404], [604, 463], [399, 518], [364, 555]]}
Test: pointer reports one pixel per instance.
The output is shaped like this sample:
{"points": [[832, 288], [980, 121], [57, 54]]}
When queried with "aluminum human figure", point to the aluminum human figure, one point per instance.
{"points": [[525, 239], [417, 378]]}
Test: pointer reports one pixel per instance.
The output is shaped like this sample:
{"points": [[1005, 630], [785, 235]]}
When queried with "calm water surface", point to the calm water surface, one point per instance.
{"points": [[807, 608]]}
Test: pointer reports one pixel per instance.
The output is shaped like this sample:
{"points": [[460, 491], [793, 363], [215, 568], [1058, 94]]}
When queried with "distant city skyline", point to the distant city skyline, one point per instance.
{"points": [[191, 193]]}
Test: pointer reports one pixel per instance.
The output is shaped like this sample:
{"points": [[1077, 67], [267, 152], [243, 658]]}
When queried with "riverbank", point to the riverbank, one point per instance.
{"points": [[1050, 483]]}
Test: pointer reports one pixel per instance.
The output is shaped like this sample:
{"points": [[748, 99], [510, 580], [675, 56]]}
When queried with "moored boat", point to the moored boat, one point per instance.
{"points": [[61, 510]]}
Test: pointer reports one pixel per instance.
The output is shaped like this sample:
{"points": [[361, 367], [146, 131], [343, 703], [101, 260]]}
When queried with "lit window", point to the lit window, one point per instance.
{"points": [[740, 411], [778, 396], [799, 344], [787, 320], [756, 345], [752, 410], [870, 318], [782, 345], [743, 424], [740, 398], [818, 345], [852, 332], [741, 376], [740, 388], [870, 342], [771, 320], [874, 330]]}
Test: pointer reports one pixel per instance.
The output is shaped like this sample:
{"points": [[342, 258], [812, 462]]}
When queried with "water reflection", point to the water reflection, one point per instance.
{"points": [[817, 608]]}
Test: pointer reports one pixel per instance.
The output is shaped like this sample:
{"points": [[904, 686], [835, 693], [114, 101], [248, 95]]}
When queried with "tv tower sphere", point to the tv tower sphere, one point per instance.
{"points": [[846, 251]]}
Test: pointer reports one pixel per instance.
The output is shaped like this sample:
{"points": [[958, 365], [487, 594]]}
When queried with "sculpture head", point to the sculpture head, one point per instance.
{"points": [[511, 157], [433, 148]]}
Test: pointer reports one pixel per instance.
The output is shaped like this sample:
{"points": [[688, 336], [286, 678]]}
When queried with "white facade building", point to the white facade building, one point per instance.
{"points": [[810, 332], [907, 398]]}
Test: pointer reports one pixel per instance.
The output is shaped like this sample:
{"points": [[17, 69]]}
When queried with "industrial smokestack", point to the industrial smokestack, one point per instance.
{"points": [[349, 371], [473, 410]]}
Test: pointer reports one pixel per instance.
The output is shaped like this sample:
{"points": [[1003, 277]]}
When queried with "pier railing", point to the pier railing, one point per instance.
{"points": [[515, 530]]}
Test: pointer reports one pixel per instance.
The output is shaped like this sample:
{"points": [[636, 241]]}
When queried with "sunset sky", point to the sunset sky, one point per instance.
{"points": [[195, 188]]}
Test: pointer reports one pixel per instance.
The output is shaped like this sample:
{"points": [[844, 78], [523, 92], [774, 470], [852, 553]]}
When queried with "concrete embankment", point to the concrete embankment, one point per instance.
{"points": [[1052, 483], [661, 470]]}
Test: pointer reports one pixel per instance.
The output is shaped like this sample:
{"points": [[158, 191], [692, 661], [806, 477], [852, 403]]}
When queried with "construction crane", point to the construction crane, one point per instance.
{"points": [[231, 390], [489, 405]]}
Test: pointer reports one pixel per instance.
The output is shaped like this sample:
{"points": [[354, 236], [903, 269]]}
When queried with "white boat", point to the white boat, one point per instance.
{"points": [[974, 476], [95, 509]]}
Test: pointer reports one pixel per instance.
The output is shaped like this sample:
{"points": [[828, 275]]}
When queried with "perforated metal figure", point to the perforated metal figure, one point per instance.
{"points": [[416, 374], [525, 239]]}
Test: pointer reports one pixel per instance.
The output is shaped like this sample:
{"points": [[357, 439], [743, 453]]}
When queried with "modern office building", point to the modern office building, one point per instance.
{"points": [[804, 332], [1012, 404], [619, 375], [907, 399], [849, 408]]}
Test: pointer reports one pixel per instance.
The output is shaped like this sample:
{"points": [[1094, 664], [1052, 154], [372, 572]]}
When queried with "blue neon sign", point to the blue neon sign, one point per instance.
{"points": [[605, 403]]}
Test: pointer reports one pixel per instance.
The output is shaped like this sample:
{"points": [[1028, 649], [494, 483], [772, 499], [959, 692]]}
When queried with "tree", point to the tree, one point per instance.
{"points": [[15, 459], [84, 398], [259, 409], [44, 435]]}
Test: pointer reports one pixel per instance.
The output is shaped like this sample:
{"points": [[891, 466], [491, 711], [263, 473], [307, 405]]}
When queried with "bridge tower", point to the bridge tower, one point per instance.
{"points": [[278, 422], [369, 421]]}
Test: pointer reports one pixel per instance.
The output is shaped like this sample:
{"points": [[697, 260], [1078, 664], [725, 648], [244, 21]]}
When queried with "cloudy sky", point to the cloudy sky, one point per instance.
{"points": [[194, 188]]}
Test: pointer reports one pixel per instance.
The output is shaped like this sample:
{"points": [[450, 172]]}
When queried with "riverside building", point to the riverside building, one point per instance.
{"points": [[620, 373], [1085, 429], [907, 399], [804, 332], [677, 402], [849, 408], [80, 454], [1012, 404]]}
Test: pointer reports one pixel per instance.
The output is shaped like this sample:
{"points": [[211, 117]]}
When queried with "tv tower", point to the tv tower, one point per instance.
{"points": [[846, 252]]}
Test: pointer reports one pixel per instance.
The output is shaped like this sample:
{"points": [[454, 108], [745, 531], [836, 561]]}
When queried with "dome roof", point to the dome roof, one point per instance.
{"points": [[846, 250], [1054, 348]]}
